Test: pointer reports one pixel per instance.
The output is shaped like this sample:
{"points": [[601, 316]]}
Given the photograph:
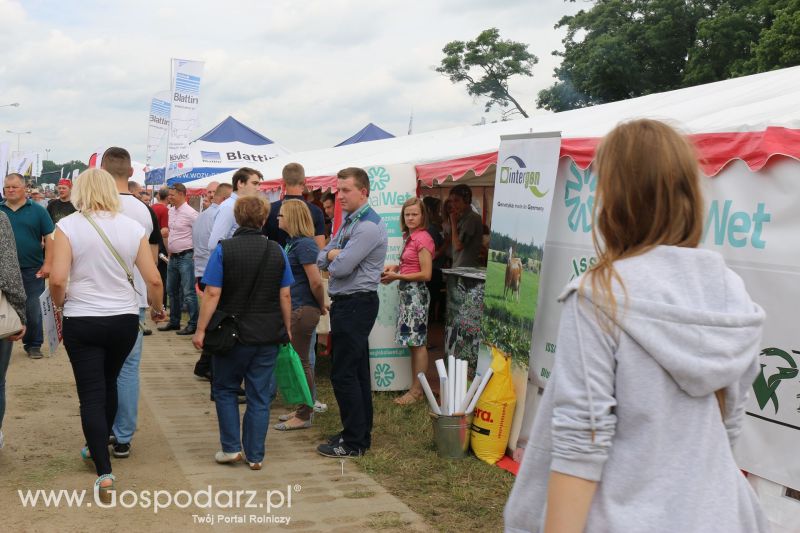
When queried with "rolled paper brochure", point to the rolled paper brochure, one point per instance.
{"points": [[463, 391], [440, 368], [443, 395], [468, 397], [451, 383], [456, 385], [428, 393], [478, 393]]}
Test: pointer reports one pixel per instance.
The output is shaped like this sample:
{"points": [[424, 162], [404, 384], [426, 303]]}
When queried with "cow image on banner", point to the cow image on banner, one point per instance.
{"points": [[523, 194]]}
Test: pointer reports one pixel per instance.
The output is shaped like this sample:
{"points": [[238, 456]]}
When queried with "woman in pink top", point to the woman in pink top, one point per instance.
{"points": [[416, 265]]}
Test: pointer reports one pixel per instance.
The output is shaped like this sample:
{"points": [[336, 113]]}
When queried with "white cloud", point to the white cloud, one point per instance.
{"points": [[306, 74]]}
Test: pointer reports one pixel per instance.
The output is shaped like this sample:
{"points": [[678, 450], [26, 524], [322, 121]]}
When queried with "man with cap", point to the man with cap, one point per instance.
{"points": [[62, 206]]}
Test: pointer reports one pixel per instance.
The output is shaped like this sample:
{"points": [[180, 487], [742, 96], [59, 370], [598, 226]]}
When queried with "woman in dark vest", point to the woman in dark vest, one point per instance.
{"points": [[247, 276]]}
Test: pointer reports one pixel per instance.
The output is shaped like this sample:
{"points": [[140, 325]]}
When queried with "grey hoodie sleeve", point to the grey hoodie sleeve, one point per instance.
{"points": [[583, 403]]}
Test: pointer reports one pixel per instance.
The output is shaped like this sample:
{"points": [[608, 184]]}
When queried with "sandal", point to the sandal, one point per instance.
{"points": [[105, 492], [284, 426], [287, 416], [408, 398], [86, 455]]}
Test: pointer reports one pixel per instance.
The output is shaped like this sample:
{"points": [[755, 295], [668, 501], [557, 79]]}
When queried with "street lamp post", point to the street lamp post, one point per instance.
{"points": [[18, 134]]}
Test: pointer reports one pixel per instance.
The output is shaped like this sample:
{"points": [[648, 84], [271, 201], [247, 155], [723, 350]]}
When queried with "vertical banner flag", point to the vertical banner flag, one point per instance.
{"points": [[183, 116], [157, 124], [523, 196], [390, 363]]}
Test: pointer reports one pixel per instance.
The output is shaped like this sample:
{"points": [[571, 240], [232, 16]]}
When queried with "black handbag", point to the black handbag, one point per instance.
{"points": [[222, 332]]}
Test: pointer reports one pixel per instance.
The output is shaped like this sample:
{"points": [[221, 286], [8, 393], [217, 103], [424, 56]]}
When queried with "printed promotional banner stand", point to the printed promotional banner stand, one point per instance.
{"points": [[390, 363], [523, 195], [183, 115]]}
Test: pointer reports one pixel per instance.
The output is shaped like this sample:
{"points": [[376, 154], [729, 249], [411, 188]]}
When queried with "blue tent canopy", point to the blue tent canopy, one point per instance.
{"points": [[231, 130], [370, 132]]}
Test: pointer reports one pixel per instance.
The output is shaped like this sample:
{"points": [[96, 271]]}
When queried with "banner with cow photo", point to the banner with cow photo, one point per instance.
{"points": [[523, 194]]}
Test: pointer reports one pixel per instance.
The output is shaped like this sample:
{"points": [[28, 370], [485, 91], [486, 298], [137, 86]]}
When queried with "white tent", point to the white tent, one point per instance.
{"points": [[750, 103]]}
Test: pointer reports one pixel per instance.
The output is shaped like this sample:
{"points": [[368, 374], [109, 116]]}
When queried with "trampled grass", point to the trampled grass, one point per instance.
{"points": [[451, 495]]}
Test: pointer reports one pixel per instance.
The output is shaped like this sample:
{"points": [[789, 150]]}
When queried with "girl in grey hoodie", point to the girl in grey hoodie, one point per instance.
{"points": [[657, 350]]}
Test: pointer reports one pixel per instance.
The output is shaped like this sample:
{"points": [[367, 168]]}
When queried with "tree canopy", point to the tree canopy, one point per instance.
{"points": [[620, 49], [486, 64]]}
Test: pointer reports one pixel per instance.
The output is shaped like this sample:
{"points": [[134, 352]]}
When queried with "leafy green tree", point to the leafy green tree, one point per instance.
{"points": [[620, 49], [486, 64], [51, 171]]}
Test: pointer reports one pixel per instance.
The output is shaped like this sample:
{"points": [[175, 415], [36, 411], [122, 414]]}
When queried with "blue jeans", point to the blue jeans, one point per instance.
{"points": [[128, 391], [254, 364], [34, 287], [5, 358], [180, 285]]}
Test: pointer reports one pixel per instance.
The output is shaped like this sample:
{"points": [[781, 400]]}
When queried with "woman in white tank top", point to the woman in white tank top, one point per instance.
{"points": [[91, 290]]}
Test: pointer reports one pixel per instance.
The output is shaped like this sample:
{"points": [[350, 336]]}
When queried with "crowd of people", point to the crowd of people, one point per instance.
{"points": [[634, 409], [269, 266]]}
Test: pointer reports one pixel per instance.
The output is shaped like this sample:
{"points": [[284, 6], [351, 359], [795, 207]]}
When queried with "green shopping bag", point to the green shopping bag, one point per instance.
{"points": [[291, 377]]}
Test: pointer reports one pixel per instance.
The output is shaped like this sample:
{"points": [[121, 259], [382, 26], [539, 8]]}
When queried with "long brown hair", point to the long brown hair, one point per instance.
{"points": [[648, 194]]}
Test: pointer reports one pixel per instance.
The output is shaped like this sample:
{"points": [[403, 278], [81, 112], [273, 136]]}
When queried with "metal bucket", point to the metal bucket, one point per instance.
{"points": [[451, 435]]}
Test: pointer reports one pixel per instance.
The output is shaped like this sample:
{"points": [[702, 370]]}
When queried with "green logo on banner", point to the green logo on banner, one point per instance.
{"points": [[378, 178], [513, 170], [384, 375], [579, 198], [764, 388]]}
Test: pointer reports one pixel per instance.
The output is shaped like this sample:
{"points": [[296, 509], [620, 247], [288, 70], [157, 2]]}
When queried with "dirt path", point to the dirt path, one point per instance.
{"points": [[173, 451]]}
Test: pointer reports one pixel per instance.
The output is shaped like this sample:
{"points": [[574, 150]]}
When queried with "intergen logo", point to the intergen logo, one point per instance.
{"points": [[579, 198], [514, 170]]}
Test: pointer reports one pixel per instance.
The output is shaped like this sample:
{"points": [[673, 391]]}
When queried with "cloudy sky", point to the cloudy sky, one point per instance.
{"points": [[305, 74]]}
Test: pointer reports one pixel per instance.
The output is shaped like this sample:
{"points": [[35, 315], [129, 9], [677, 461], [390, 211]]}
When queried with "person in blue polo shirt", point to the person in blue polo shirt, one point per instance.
{"points": [[354, 259], [31, 224]]}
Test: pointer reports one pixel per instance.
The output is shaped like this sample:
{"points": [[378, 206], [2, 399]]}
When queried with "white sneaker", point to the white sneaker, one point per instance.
{"points": [[225, 457], [2, 439], [320, 407]]}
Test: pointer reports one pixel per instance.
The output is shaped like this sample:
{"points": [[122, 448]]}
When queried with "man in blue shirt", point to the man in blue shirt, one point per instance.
{"points": [[31, 224], [354, 259], [294, 181]]}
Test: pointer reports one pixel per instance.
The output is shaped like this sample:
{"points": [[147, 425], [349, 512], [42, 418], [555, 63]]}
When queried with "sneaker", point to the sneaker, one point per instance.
{"points": [[202, 377], [34, 353], [341, 450], [2, 439], [122, 450], [320, 407], [112, 439], [333, 440], [225, 457]]}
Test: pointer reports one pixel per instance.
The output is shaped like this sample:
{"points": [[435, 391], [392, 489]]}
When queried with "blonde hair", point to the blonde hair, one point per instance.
{"points": [[94, 191], [297, 218]]}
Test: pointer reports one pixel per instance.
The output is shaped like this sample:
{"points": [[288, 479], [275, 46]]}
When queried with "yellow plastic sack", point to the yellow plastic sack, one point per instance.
{"points": [[491, 423]]}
